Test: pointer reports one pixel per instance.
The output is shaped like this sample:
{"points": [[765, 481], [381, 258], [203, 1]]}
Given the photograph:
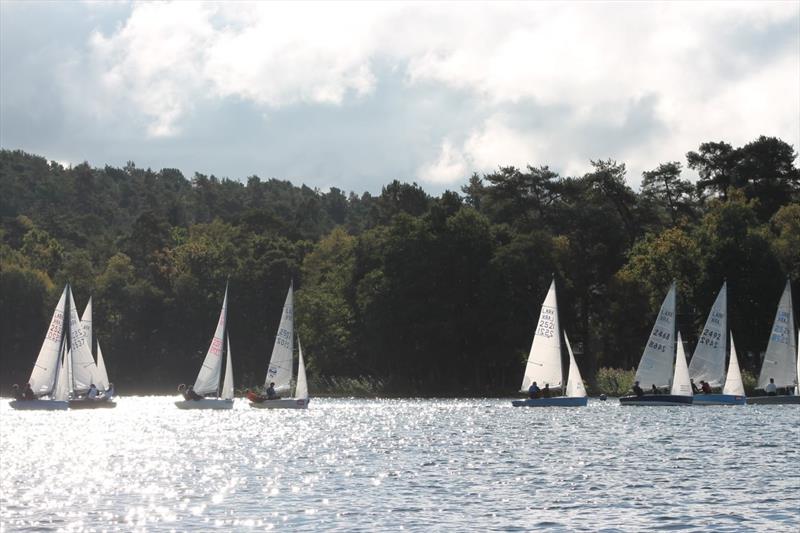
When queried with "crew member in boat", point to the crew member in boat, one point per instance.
{"points": [[771, 389], [184, 392], [654, 389], [16, 392], [271, 394], [109, 392], [192, 394], [695, 389], [534, 390], [705, 387], [637, 390], [546, 391], [92, 392], [28, 394]]}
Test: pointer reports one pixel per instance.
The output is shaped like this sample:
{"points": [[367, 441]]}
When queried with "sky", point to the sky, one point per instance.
{"points": [[354, 95]]}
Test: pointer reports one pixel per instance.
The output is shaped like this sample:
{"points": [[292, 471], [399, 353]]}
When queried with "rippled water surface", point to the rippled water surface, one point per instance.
{"points": [[366, 465]]}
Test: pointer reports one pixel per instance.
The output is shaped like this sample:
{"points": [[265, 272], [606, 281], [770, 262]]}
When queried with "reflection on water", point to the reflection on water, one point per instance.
{"points": [[366, 465]]}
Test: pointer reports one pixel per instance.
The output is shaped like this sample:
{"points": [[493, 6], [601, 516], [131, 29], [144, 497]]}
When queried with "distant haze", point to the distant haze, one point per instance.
{"points": [[354, 95]]}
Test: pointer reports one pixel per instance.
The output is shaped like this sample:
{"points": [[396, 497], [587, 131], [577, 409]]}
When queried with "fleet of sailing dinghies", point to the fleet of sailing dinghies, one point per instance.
{"points": [[545, 362], [280, 371], [65, 369], [656, 368], [782, 360], [708, 361], [209, 380]]}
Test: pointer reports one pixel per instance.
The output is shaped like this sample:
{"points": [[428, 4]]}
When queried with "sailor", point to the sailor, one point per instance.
{"points": [[92, 393], [28, 394], [637, 390], [654, 389], [109, 392], [546, 391], [533, 390], [705, 387], [192, 395], [17, 393], [771, 389], [184, 392], [271, 394], [695, 390]]}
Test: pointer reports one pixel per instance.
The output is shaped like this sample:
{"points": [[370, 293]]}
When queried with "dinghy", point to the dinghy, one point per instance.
{"points": [[105, 399], [781, 359], [544, 361], [280, 369], [50, 379], [656, 364], [208, 379], [708, 361]]}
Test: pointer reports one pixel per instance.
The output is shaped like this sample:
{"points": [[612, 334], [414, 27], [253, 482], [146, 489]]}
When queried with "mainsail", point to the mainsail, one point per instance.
{"points": [[733, 381], [43, 377], [575, 386], [100, 374], [680, 382], [280, 363], [208, 378], [61, 390], [779, 360], [84, 370], [708, 361], [655, 366], [544, 359]]}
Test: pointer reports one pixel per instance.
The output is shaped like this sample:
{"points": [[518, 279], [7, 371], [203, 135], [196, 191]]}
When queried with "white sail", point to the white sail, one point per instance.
{"points": [[208, 378], [86, 323], [301, 389], [655, 366], [280, 363], [779, 360], [575, 386], [797, 382], [62, 388], [708, 361], [544, 360], [101, 381], [227, 383], [84, 370], [680, 381], [733, 381], [43, 376]]}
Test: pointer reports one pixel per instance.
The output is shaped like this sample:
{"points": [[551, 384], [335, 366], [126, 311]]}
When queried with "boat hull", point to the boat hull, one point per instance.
{"points": [[656, 399], [773, 400], [282, 403], [85, 403], [205, 403], [719, 399], [39, 405], [558, 401]]}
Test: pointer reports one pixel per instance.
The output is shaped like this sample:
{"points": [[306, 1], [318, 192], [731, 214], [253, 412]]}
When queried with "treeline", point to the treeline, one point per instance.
{"points": [[417, 294]]}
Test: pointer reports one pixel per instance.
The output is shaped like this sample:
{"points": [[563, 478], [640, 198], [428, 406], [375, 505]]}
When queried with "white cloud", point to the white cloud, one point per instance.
{"points": [[449, 168]]}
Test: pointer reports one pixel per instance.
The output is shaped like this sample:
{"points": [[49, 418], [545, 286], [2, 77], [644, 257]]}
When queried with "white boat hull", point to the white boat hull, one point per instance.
{"points": [[205, 403], [39, 405], [282, 403]]}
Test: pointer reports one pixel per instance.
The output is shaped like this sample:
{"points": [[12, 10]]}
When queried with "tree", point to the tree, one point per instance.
{"points": [[664, 187]]}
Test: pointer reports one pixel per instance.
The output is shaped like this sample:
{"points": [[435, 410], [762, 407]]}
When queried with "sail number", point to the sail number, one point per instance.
{"points": [[547, 323], [54, 333]]}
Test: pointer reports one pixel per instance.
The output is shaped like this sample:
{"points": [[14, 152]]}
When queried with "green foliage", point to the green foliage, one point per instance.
{"points": [[613, 381], [420, 294]]}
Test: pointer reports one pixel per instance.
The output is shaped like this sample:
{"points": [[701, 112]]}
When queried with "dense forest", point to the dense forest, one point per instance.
{"points": [[401, 292]]}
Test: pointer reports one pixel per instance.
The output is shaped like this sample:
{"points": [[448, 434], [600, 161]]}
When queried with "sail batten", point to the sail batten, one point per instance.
{"points": [[544, 359]]}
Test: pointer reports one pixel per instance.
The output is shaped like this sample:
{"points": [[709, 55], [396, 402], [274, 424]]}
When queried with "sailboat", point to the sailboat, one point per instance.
{"points": [[781, 358], [49, 378], [656, 365], [708, 361], [279, 371], [544, 361], [208, 379], [100, 376]]}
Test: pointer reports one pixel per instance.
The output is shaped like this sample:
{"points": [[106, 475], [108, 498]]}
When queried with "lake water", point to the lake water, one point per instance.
{"points": [[425, 465]]}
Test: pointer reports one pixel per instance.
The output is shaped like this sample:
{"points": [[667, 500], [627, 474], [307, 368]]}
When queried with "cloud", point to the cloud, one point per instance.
{"points": [[361, 93]]}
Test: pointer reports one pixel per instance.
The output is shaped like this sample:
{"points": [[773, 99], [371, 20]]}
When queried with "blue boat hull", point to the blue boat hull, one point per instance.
{"points": [[719, 399], [558, 401], [39, 405], [656, 399]]}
